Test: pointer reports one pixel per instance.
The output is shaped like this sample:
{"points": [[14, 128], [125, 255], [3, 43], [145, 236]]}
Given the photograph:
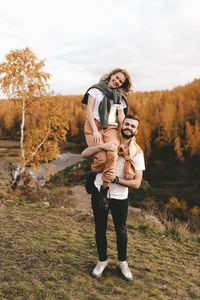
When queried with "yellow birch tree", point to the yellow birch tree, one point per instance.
{"points": [[22, 79]]}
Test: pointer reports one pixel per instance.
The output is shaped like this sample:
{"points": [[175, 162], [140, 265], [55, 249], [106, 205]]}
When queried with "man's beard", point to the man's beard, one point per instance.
{"points": [[126, 136]]}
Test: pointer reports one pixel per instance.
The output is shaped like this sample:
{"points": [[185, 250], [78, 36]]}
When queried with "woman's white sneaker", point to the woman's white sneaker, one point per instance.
{"points": [[125, 271], [98, 270]]}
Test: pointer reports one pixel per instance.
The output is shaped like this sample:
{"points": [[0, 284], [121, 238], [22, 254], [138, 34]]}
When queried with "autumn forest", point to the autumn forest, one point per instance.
{"points": [[169, 119]]}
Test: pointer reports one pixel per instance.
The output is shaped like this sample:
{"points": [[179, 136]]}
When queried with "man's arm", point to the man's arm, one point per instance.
{"points": [[131, 183], [92, 150]]}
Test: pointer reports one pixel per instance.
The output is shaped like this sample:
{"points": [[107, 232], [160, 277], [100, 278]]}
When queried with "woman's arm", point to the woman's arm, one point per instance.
{"points": [[121, 115], [90, 105]]}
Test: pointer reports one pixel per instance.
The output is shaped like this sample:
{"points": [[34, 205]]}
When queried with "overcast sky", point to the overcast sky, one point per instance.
{"points": [[156, 41]]}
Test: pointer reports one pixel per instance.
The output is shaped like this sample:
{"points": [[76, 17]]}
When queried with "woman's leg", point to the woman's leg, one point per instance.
{"points": [[110, 135], [99, 158]]}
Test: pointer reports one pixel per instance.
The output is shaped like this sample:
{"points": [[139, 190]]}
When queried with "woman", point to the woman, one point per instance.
{"points": [[105, 100]]}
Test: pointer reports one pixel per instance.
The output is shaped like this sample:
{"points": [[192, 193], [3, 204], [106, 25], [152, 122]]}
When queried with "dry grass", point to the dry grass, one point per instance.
{"points": [[48, 253]]}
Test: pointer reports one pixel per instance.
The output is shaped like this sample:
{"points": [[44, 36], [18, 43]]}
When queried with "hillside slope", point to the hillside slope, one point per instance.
{"points": [[48, 253]]}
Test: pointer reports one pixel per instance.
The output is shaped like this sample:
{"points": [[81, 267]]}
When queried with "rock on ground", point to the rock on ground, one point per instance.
{"points": [[6, 172]]}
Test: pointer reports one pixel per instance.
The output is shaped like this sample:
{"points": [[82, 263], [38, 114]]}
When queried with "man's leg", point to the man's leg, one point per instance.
{"points": [[100, 219], [119, 210]]}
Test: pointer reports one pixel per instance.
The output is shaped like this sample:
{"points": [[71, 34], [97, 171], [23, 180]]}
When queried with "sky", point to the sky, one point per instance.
{"points": [[156, 41]]}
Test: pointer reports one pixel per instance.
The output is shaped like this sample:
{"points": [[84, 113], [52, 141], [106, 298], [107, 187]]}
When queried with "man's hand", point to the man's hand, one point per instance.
{"points": [[109, 175], [110, 147]]}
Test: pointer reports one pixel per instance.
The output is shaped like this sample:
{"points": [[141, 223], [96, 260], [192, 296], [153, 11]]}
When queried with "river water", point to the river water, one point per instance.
{"points": [[63, 161]]}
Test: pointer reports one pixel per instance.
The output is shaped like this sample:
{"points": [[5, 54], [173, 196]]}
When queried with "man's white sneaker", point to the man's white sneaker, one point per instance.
{"points": [[98, 270], [126, 273]]}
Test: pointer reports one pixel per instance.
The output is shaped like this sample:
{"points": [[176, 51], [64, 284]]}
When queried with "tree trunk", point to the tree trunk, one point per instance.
{"points": [[21, 168], [22, 131]]}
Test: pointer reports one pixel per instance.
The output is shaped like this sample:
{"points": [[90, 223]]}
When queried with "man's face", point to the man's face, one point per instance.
{"points": [[129, 128]]}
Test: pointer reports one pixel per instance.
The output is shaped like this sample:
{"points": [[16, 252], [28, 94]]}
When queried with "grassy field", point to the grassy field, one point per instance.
{"points": [[9, 150], [48, 253]]}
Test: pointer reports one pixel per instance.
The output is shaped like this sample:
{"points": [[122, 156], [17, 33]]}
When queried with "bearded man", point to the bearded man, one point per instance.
{"points": [[128, 174]]}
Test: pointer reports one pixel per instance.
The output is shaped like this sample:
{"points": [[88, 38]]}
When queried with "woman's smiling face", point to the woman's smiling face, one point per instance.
{"points": [[116, 80]]}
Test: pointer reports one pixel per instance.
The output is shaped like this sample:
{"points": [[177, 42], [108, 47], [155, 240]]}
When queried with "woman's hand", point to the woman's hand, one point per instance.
{"points": [[97, 136]]}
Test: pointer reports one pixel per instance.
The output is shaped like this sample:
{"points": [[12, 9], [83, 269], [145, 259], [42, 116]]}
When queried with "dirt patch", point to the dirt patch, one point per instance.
{"points": [[83, 199]]}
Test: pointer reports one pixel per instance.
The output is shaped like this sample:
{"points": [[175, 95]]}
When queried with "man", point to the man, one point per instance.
{"points": [[130, 161]]}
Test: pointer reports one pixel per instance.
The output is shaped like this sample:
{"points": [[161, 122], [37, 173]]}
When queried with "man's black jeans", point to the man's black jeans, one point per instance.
{"points": [[119, 211]]}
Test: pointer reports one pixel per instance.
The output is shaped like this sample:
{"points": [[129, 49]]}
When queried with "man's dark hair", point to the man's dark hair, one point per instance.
{"points": [[133, 117]]}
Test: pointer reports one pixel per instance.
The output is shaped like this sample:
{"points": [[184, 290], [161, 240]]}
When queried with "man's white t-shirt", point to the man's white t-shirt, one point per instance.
{"points": [[118, 191], [98, 95]]}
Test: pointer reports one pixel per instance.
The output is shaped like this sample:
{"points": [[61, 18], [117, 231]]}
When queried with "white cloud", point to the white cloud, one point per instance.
{"points": [[157, 41]]}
